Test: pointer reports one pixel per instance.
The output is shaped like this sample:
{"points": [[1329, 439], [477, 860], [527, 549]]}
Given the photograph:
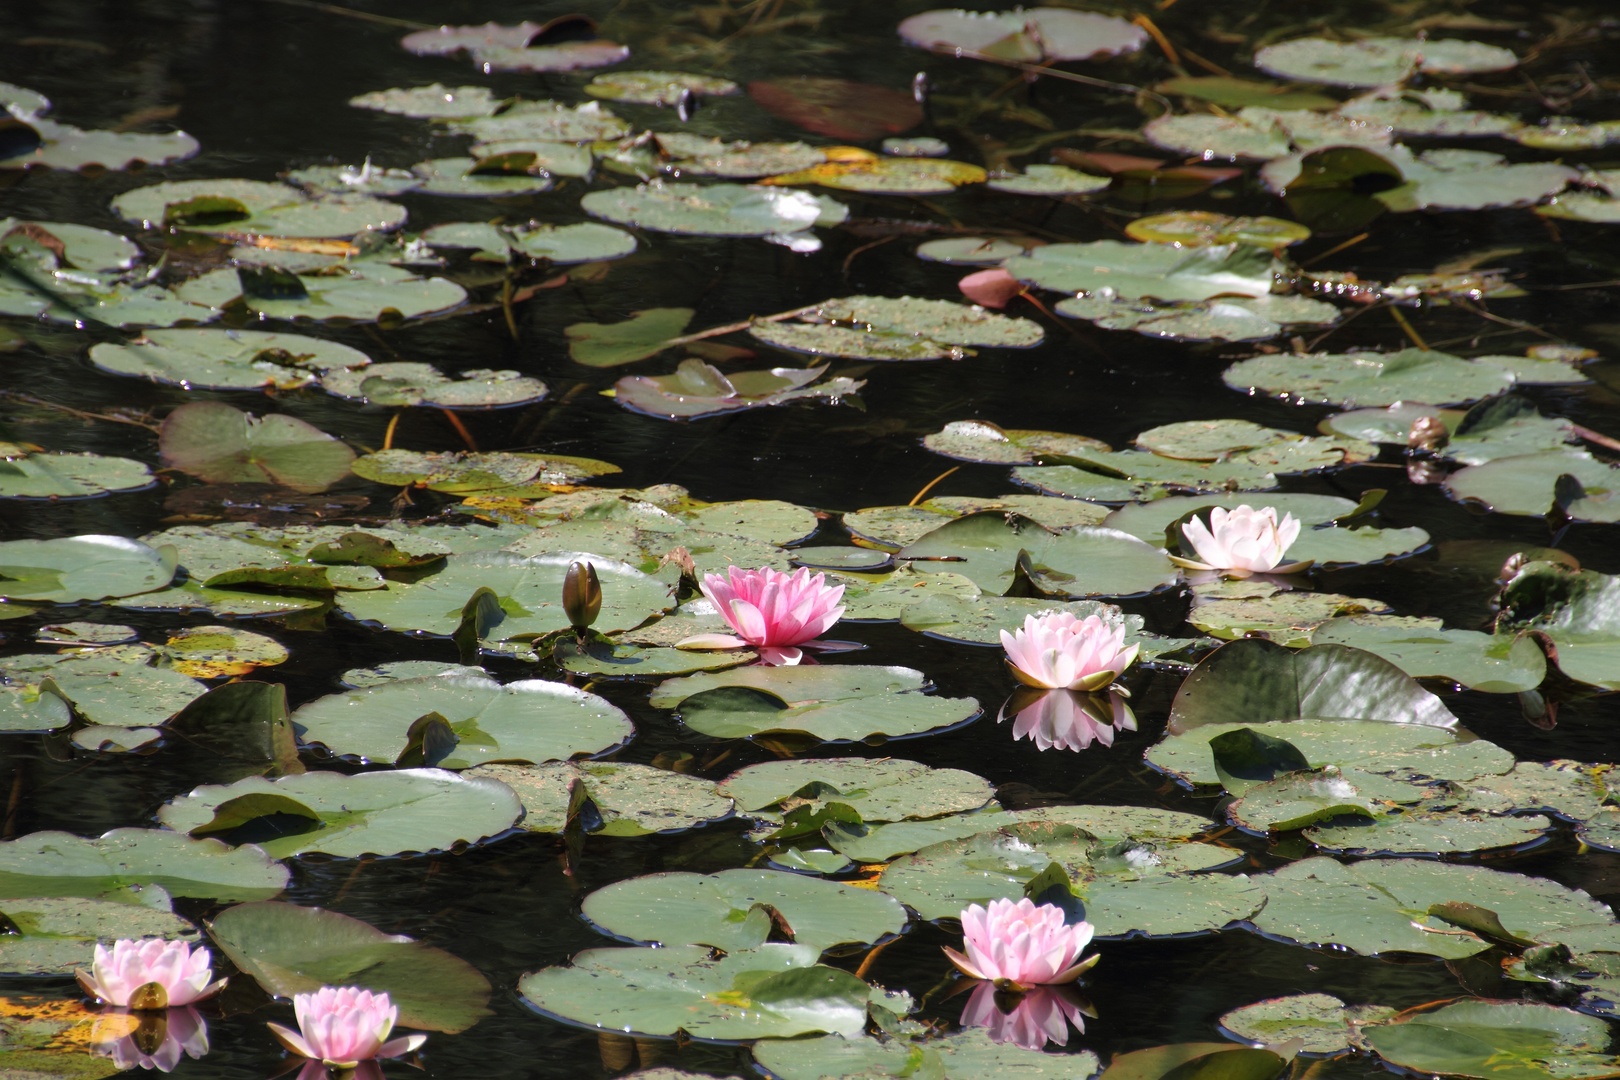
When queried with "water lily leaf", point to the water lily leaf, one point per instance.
{"points": [[364, 179], [1527, 484], [1436, 113], [464, 473], [254, 208], [838, 107], [613, 661], [527, 721], [1255, 681], [507, 48], [886, 789], [1054, 180], [208, 652], [60, 864], [772, 990], [226, 359], [967, 1055], [83, 248], [1381, 905], [1231, 319], [723, 910], [86, 567], [1321, 1021], [1506, 426], [979, 620], [644, 334], [566, 244], [989, 547], [546, 121], [70, 476], [769, 520], [844, 702], [1295, 799], [435, 102], [969, 250], [407, 383], [896, 328], [1162, 271], [887, 176], [212, 441], [114, 692], [695, 155], [656, 87], [1321, 540], [1236, 93], [361, 293], [1203, 228], [1036, 35], [1366, 379], [1288, 618], [375, 813], [1196, 1061], [1452, 179], [55, 936], [296, 950], [63, 146], [714, 209], [1508, 664], [627, 799], [700, 389], [1153, 893], [1509, 1040], [1258, 135], [1422, 831], [979, 440], [28, 707], [1579, 613], [466, 176], [1378, 61]]}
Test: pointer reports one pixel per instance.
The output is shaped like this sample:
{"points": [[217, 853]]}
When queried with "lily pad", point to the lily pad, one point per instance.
{"points": [[375, 813], [1454, 179], [435, 102], [627, 799], [1508, 664], [1133, 271], [55, 936], [1502, 1040], [1202, 228], [226, 359], [1507, 426], [1322, 1021], [73, 568], [1531, 484], [887, 175], [217, 443], [360, 293], [1367, 379], [845, 702], [903, 328], [70, 476], [1424, 831], [972, 1054], [886, 789], [713, 210], [1037, 35], [469, 177], [1236, 93], [699, 389], [506, 48], [979, 440], [27, 707], [1053, 180], [1577, 610], [1286, 617], [296, 950], [484, 473], [642, 335], [409, 383], [1321, 540], [1230, 319], [111, 689], [969, 250], [254, 208], [1378, 61], [773, 990], [694, 155], [60, 864], [656, 87]]}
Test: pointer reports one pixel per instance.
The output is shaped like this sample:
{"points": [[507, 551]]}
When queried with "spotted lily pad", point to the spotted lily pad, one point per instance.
{"points": [[87, 567], [624, 799], [1321, 1021], [1423, 831], [226, 359], [254, 208], [1378, 61], [375, 813], [25, 706], [1500, 427], [360, 293], [1112, 268], [60, 864], [695, 155], [715, 209], [1055, 180], [656, 87], [409, 383], [114, 687], [886, 789], [903, 328], [1226, 319], [1037, 35], [1502, 1040], [1369, 379], [561, 244]]}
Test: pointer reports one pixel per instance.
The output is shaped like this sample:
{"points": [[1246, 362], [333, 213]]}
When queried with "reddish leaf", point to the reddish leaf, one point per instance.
{"points": [[835, 107]]}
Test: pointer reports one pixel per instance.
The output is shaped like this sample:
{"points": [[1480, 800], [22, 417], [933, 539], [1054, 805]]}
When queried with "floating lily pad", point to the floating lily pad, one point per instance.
{"points": [[700, 389], [565, 244], [226, 359], [1378, 61], [1231, 319], [1453, 179], [736, 909], [111, 688], [1422, 831], [375, 813], [1036, 35], [467, 176], [60, 864], [888, 175], [507, 48], [1054, 180], [656, 87], [715, 209], [465, 473], [83, 248], [209, 652], [972, 1054], [979, 440], [1203, 228], [844, 702], [643, 334], [55, 936], [1322, 1021], [409, 383], [296, 950], [361, 678], [254, 208], [1435, 113], [1286, 617], [87, 567], [626, 799], [360, 293], [365, 179], [63, 146], [1507, 664], [1502, 1040], [772, 990], [217, 443], [969, 250], [527, 721], [435, 102], [1530, 485], [1133, 271], [1507, 426], [1577, 610], [694, 155], [886, 789], [903, 328], [1366, 379], [70, 476]]}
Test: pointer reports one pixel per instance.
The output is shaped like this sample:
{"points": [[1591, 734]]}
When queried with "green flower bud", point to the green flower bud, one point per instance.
{"points": [[582, 595]]}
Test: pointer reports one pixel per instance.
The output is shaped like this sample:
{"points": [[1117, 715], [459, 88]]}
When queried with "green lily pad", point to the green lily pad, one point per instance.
{"points": [[1569, 789], [1377, 61], [989, 547], [1134, 271], [1508, 664], [966, 1055], [1037, 35], [1054, 180], [1452, 179], [83, 248], [73, 568], [715, 209], [226, 359], [1435, 113], [254, 208], [888, 175], [772, 990], [527, 721], [435, 102], [876, 843], [1528, 484], [1230, 319], [695, 155], [1236, 93], [63, 146], [1293, 800], [1507, 426], [1132, 475], [1367, 379], [1201, 228], [55, 936], [886, 789], [408, 383], [463, 176], [1502, 1040], [1423, 831], [70, 476], [699, 389], [487, 473], [296, 950], [617, 661], [60, 864], [844, 702], [375, 813], [361, 678], [642, 335], [656, 87], [1577, 610], [627, 799], [360, 293], [732, 910], [108, 689], [348, 179], [28, 707], [979, 440], [1286, 617], [904, 328], [1321, 1021], [549, 121], [217, 443], [969, 250]]}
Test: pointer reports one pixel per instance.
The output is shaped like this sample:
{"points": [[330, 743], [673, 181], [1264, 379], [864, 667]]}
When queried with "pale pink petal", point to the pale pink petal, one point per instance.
{"points": [[712, 641]]}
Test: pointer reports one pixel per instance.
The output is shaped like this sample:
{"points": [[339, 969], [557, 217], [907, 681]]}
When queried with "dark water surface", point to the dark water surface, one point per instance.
{"points": [[264, 86]]}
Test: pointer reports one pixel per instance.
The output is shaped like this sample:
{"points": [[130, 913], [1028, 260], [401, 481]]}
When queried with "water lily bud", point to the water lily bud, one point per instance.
{"points": [[582, 595], [1428, 433], [1510, 568], [1425, 471]]}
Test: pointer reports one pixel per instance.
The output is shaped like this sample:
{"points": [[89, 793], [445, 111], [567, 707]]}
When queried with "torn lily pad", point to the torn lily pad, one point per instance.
{"points": [[656, 87], [254, 208], [226, 359], [1162, 271], [404, 383], [69, 476], [715, 209], [1369, 379], [1036, 35], [624, 799], [699, 389], [903, 328], [1377, 61]]}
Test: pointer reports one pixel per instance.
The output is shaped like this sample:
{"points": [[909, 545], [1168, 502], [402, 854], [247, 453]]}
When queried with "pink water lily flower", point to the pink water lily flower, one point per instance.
{"points": [[1039, 1016], [343, 1026], [158, 1040], [1067, 720], [1057, 650], [771, 611], [1022, 944], [1243, 541], [149, 974]]}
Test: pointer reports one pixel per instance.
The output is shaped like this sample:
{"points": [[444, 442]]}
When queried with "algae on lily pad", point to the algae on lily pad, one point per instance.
{"points": [[373, 813], [527, 721], [61, 864], [714, 209], [87, 567], [902, 328], [226, 359], [624, 799], [1379, 61]]}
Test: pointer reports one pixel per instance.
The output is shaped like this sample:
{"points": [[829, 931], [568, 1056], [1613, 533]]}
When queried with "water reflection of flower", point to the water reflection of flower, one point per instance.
{"points": [[151, 1039], [1068, 719], [1029, 1020]]}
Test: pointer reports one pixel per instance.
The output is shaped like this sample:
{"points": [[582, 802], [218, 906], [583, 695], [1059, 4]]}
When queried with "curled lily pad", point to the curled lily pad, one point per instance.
{"points": [[1577, 610], [1163, 271], [375, 813], [362, 293], [624, 799], [739, 909], [254, 208], [656, 87], [903, 328], [887, 175], [212, 441], [435, 102], [844, 702], [527, 721], [226, 359], [701, 389], [1368, 379], [1378, 61], [714, 210], [1036, 35], [60, 864], [1532, 484], [70, 476], [773, 990], [1508, 664], [90, 567]]}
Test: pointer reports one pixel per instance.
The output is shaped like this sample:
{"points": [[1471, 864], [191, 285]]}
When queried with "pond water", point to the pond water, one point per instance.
{"points": [[264, 88]]}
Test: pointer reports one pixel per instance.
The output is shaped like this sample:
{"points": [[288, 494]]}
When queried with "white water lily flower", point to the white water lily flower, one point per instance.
{"points": [[1244, 541]]}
